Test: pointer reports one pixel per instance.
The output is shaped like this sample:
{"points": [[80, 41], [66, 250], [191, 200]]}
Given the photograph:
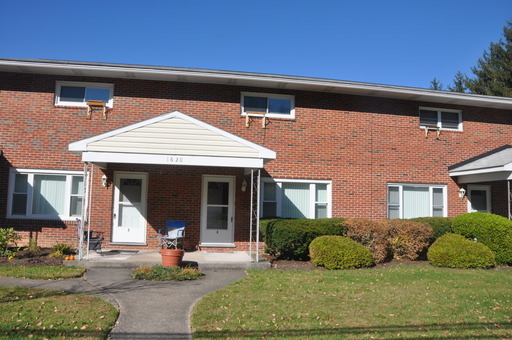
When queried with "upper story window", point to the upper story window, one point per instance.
{"points": [[271, 105], [78, 94], [45, 194], [441, 118]]}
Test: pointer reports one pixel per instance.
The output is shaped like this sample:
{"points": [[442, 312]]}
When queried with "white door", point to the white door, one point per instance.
{"points": [[129, 219], [217, 211], [479, 198]]}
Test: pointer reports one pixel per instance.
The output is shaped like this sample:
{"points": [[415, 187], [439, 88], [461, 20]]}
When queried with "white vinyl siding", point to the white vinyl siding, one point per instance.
{"points": [[45, 194], [68, 93], [416, 200], [270, 105], [443, 119], [296, 198], [173, 136]]}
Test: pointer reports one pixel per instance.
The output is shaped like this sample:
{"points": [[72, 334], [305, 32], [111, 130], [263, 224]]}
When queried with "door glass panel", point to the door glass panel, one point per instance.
{"points": [[129, 216], [217, 218], [218, 193], [130, 190], [479, 200]]}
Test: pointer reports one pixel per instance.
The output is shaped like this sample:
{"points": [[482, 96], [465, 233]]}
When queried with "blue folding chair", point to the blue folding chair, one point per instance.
{"points": [[172, 236]]}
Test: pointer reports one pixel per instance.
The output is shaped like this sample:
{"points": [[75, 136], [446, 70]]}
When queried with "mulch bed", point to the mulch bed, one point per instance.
{"points": [[29, 258]]}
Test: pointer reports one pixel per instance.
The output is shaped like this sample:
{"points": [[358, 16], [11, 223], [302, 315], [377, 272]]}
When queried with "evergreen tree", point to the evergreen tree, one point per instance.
{"points": [[459, 83], [493, 73], [436, 85]]}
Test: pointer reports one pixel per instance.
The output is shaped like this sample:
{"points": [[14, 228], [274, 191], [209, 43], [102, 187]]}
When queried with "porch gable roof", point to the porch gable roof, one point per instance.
{"points": [[172, 138], [494, 165]]}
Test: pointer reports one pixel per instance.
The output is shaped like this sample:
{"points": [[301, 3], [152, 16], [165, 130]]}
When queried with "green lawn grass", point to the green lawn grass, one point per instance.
{"points": [[47, 314], [43, 272], [398, 302]]}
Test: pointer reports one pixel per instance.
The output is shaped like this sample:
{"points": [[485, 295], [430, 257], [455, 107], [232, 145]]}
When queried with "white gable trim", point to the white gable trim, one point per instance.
{"points": [[232, 162], [82, 146]]}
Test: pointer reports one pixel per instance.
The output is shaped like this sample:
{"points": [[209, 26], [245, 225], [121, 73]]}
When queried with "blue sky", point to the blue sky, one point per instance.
{"points": [[395, 42]]}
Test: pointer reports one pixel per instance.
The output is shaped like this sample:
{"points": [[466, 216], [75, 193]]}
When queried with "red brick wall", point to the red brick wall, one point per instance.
{"points": [[360, 143]]}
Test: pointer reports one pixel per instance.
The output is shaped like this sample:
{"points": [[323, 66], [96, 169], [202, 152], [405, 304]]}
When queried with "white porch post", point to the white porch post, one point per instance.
{"points": [[255, 215], [258, 216]]}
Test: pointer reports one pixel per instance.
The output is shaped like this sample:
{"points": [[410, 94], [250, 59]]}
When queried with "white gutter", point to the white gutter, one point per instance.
{"points": [[249, 79]]}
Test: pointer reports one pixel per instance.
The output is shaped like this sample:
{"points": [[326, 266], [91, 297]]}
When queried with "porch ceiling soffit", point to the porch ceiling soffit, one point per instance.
{"points": [[495, 165], [172, 138]]}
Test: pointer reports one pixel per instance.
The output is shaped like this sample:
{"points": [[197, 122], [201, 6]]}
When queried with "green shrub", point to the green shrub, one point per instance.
{"points": [[440, 225], [371, 234], [63, 248], [492, 230], [161, 273], [290, 239], [8, 242], [338, 252], [456, 251], [408, 239], [265, 223]]}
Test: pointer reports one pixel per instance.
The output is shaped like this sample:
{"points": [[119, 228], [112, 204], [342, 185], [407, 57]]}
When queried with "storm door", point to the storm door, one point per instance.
{"points": [[129, 215], [217, 211]]}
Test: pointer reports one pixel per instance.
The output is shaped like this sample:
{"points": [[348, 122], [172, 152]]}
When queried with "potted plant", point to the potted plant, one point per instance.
{"points": [[171, 254], [172, 257]]}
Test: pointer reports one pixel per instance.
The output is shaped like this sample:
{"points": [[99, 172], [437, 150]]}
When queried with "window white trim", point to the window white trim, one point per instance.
{"points": [[431, 187], [439, 122], [86, 85], [291, 98], [312, 194], [68, 174]]}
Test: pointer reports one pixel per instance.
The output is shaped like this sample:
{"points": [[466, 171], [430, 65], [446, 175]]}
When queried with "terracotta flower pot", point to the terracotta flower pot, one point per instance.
{"points": [[172, 257]]}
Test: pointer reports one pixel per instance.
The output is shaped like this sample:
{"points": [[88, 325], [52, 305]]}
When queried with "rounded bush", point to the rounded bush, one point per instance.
{"points": [[338, 252], [440, 225], [290, 239], [492, 230], [456, 251]]}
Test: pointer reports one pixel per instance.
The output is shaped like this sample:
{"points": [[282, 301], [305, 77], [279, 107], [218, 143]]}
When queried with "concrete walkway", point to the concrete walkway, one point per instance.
{"points": [[148, 309], [200, 259]]}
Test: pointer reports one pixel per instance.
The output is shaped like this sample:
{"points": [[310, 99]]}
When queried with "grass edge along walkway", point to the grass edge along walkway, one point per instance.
{"points": [[403, 301], [44, 314], [41, 272]]}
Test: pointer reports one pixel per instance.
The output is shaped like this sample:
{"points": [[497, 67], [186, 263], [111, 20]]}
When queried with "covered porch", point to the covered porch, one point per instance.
{"points": [[485, 180], [173, 167]]}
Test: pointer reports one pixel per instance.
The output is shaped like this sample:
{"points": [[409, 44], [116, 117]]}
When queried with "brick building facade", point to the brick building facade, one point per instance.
{"points": [[177, 144]]}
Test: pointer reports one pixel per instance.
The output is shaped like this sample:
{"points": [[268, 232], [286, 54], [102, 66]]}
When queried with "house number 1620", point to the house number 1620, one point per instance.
{"points": [[175, 159]]}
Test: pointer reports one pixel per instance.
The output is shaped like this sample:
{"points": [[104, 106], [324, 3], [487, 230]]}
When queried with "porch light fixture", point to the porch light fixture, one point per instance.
{"points": [[462, 193], [104, 181], [244, 185]]}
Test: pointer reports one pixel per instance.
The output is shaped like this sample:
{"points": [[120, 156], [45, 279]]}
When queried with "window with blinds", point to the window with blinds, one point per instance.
{"points": [[416, 200]]}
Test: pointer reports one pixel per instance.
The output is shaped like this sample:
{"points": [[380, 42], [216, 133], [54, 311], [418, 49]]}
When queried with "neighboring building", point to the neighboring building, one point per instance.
{"points": [[190, 144]]}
